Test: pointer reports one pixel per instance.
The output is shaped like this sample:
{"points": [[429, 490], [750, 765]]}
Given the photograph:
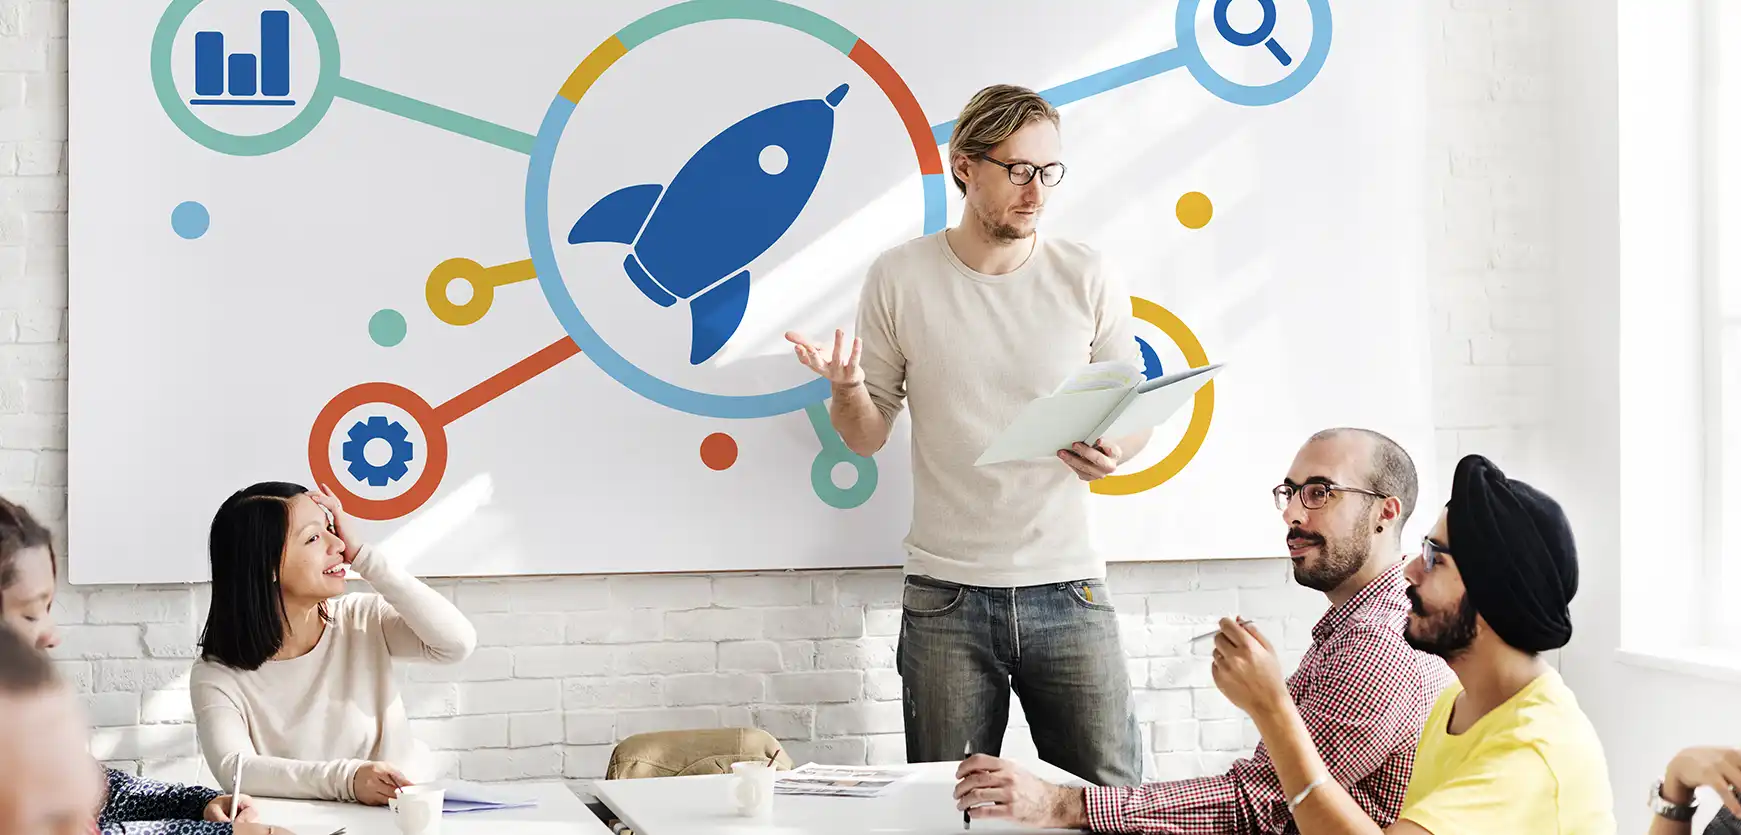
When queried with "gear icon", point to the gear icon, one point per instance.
{"points": [[358, 438]]}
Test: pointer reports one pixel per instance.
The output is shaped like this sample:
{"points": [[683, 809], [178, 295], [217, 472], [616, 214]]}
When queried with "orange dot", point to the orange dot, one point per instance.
{"points": [[719, 451], [1194, 209]]}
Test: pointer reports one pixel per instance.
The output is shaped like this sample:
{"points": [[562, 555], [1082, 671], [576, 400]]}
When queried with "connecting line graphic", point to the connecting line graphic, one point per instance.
{"points": [[505, 380], [1092, 85], [503, 136], [433, 115]]}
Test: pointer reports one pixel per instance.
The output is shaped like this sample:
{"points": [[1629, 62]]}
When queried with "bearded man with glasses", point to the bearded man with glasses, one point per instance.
{"points": [[1362, 691]]}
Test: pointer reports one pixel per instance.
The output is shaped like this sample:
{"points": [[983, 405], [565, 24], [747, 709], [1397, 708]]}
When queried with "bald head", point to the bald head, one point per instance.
{"points": [[1387, 468], [51, 785]]}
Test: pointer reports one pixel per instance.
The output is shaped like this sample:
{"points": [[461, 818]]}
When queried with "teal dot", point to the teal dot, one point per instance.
{"points": [[387, 327], [190, 219]]}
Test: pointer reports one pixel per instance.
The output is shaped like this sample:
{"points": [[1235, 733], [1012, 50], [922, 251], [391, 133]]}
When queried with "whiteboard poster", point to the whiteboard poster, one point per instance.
{"points": [[512, 279]]}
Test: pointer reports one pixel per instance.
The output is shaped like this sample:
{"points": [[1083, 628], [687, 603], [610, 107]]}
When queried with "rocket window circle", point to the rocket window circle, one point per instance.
{"points": [[772, 159]]}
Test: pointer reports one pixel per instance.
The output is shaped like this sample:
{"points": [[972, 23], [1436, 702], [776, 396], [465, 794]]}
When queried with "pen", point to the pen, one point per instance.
{"points": [[236, 787], [967, 751], [1217, 631]]}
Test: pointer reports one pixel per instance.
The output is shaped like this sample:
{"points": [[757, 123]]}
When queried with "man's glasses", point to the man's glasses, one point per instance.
{"points": [[1430, 553], [1022, 173], [1314, 495]]}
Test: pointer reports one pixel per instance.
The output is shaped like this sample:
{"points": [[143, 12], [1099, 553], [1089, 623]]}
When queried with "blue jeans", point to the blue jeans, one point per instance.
{"points": [[963, 648]]}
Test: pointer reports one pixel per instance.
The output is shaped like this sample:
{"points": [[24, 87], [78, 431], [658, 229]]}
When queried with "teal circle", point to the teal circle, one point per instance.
{"points": [[833, 454], [163, 80], [387, 327], [833, 495], [190, 219]]}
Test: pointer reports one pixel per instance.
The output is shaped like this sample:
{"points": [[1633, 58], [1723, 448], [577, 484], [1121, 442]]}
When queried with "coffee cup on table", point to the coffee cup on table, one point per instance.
{"points": [[417, 809], [753, 789]]}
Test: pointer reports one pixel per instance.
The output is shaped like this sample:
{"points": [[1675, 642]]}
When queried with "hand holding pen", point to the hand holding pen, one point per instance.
{"points": [[1247, 669], [375, 782]]}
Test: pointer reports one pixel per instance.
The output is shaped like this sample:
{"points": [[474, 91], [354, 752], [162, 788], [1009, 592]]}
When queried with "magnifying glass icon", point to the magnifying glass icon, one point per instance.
{"points": [[1260, 35]]}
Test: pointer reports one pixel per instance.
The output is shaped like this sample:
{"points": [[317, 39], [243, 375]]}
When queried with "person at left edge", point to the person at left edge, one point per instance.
{"points": [[130, 804]]}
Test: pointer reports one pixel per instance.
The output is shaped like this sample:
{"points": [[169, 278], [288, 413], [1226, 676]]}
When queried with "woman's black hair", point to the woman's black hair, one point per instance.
{"points": [[246, 620], [19, 532]]}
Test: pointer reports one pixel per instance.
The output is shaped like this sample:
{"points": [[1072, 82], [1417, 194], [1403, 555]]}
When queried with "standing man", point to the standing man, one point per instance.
{"points": [[1003, 585], [1361, 689]]}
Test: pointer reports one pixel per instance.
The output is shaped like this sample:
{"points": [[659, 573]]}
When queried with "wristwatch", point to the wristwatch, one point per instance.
{"points": [[1672, 811]]}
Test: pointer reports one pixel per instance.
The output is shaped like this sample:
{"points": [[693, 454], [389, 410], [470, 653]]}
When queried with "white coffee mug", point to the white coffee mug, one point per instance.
{"points": [[753, 789], [417, 810]]}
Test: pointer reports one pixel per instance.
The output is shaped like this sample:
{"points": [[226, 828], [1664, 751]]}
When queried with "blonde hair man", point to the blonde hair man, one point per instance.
{"points": [[1003, 587]]}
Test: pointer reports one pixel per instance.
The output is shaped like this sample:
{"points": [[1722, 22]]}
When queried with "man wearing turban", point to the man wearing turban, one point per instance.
{"points": [[1507, 748]]}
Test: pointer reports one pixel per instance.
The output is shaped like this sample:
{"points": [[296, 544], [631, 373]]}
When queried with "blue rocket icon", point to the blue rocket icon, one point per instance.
{"points": [[694, 239]]}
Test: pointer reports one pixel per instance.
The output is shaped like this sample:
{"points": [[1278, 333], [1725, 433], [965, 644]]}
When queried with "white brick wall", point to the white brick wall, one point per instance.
{"points": [[567, 666]]}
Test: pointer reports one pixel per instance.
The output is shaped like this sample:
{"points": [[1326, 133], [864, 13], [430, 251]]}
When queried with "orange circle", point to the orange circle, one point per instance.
{"points": [[434, 433], [719, 451], [1194, 209]]}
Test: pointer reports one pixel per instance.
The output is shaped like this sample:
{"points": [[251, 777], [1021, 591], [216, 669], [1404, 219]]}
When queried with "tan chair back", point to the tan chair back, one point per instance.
{"points": [[687, 752]]}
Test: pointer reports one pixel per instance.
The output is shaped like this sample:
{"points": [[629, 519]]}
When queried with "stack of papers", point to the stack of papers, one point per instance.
{"points": [[460, 796], [838, 780]]}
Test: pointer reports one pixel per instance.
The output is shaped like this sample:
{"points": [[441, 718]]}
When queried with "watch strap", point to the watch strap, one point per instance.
{"points": [[1679, 812]]}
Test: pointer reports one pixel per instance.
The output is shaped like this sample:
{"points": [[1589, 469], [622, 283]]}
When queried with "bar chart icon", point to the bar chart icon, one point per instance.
{"points": [[241, 78]]}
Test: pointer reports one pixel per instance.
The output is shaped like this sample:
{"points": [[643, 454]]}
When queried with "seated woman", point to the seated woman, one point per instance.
{"points": [[1717, 768], [295, 682], [131, 804]]}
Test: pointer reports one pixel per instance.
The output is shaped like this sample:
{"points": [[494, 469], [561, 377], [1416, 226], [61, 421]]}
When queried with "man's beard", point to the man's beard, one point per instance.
{"points": [[998, 230], [1337, 560], [1445, 634]]}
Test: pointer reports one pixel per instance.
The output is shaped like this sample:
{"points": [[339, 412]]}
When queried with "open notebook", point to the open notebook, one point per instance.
{"points": [[460, 796], [1103, 400]]}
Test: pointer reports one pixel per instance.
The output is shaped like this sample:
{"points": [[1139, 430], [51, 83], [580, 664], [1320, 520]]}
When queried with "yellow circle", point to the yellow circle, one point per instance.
{"points": [[1194, 209], [1202, 409], [435, 291]]}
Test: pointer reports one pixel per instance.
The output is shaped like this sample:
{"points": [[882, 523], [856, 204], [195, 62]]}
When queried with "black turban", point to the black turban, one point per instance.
{"points": [[1513, 547]]}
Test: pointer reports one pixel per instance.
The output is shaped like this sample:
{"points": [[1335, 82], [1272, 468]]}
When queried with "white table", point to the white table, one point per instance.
{"points": [[923, 803], [559, 812]]}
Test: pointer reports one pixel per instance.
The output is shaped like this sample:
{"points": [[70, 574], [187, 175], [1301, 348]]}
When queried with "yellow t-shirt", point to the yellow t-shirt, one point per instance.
{"points": [[1532, 765]]}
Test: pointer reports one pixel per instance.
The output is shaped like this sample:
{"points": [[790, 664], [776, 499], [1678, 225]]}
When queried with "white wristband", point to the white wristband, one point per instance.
{"points": [[1301, 797]]}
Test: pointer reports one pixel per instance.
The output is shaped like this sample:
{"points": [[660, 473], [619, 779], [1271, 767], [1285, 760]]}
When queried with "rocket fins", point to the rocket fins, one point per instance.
{"points": [[1151, 360], [715, 316], [617, 217]]}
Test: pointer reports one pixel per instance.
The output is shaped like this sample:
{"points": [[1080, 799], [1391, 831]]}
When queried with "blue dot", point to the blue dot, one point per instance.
{"points": [[190, 219]]}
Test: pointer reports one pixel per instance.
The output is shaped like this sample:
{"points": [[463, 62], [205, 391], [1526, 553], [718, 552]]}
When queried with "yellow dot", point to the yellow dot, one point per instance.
{"points": [[1194, 209]]}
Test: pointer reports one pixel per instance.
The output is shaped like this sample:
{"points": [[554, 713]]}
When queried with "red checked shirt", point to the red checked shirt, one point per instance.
{"points": [[1364, 693]]}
